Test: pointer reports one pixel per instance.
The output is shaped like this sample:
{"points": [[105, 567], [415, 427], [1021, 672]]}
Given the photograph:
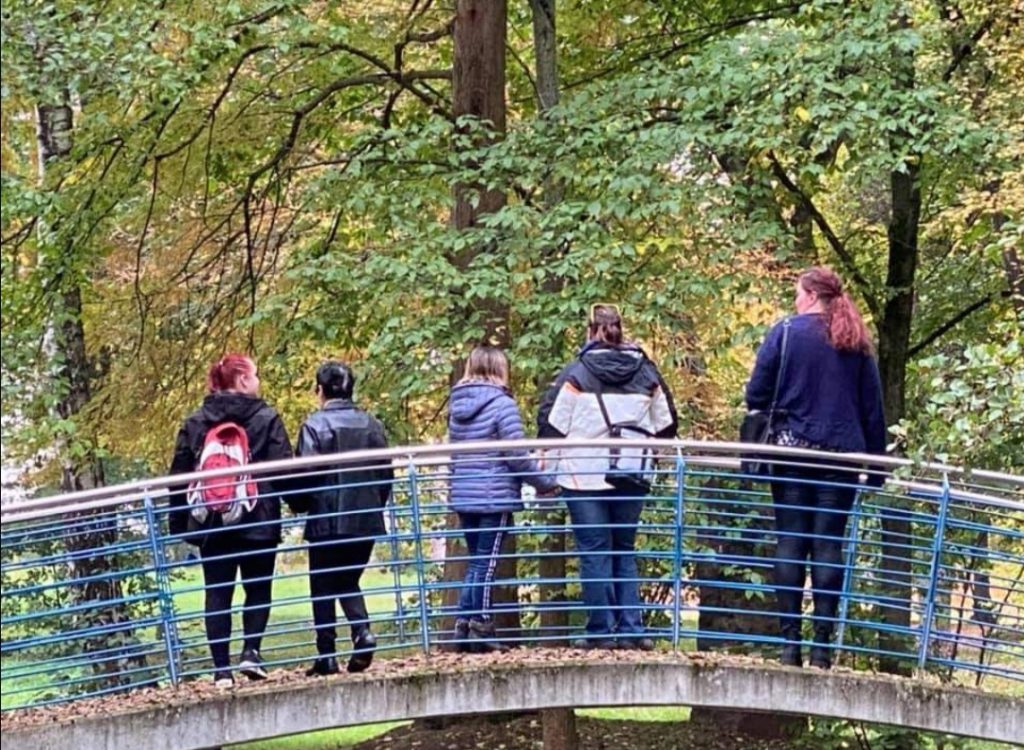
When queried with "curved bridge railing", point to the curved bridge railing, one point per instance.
{"points": [[99, 598]]}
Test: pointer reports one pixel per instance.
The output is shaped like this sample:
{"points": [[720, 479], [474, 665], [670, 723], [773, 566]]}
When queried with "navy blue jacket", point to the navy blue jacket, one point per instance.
{"points": [[486, 482], [346, 500], [827, 397]]}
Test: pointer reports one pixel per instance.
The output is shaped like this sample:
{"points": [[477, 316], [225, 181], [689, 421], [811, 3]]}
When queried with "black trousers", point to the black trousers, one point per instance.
{"points": [[810, 521], [222, 559], [335, 567]]}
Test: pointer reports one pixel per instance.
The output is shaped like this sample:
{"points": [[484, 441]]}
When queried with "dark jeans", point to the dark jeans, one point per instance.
{"points": [[335, 567], [810, 521], [605, 523], [484, 533], [255, 560]]}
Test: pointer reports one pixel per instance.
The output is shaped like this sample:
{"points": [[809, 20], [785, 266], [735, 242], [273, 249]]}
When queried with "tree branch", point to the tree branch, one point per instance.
{"points": [[943, 329], [826, 229], [963, 51]]}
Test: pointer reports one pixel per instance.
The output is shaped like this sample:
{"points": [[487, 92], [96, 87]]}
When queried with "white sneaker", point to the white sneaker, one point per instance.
{"points": [[251, 665]]}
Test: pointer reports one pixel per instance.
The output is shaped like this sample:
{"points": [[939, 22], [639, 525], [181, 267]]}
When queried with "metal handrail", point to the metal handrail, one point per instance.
{"points": [[103, 497]]}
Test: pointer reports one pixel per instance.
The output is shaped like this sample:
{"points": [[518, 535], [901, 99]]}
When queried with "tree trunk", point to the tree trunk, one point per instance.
{"points": [[558, 726], [478, 91], [893, 355], [554, 624], [90, 533]]}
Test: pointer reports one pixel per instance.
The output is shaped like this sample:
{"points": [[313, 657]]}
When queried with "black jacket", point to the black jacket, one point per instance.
{"points": [[268, 441], [342, 500]]}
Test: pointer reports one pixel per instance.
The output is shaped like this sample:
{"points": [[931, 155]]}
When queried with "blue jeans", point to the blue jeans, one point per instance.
{"points": [[604, 523], [484, 533]]}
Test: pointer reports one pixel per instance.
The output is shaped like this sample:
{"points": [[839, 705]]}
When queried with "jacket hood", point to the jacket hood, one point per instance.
{"points": [[231, 407], [613, 365], [469, 399]]}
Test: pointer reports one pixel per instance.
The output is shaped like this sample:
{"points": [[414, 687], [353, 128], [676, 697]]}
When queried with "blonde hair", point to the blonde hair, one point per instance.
{"points": [[486, 364]]}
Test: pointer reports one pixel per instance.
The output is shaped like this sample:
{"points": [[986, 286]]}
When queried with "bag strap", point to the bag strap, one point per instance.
{"points": [[780, 373], [604, 409]]}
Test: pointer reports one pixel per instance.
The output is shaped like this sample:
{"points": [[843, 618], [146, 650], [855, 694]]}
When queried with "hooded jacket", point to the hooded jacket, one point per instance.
{"points": [[268, 441], [633, 391], [489, 481], [347, 500]]}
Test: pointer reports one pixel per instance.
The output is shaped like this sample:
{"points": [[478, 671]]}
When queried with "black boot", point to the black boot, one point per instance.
{"points": [[461, 637], [821, 651], [483, 639], [322, 667], [364, 644], [792, 655]]}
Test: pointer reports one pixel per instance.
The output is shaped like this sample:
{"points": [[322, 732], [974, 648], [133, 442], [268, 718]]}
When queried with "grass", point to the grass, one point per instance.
{"points": [[289, 636], [328, 739]]}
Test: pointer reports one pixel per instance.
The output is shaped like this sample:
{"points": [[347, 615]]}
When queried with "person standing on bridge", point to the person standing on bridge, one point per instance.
{"points": [[245, 537], [485, 486], [344, 506], [611, 388], [829, 397]]}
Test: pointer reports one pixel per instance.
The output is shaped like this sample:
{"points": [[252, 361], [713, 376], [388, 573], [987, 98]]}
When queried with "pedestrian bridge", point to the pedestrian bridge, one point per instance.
{"points": [[446, 686], [104, 642]]}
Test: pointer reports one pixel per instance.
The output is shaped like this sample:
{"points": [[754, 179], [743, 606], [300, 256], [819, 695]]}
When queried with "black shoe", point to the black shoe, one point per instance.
{"points": [[791, 655], [821, 651], [595, 644], [222, 679], [251, 665], [821, 657], [364, 644], [462, 644], [325, 665], [483, 639], [636, 643]]}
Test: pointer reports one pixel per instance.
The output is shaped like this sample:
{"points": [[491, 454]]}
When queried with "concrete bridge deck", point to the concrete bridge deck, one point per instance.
{"points": [[198, 716]]}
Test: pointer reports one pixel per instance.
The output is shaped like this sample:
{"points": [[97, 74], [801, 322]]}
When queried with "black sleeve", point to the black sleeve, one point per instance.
{"points": [[278, 445], [182, 463], [278, 448], [544, 428], [672, 430], [301, 485]]}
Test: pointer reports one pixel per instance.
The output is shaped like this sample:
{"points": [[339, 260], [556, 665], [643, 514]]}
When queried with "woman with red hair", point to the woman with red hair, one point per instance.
{"points": [[241, 534], [816, 371]]}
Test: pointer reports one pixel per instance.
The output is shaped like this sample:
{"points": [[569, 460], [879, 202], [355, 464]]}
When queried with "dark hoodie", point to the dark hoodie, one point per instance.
{"points": [[489, 482], [268, 441]]}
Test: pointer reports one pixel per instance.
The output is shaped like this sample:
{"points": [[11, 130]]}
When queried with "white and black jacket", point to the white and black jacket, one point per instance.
{"points": [[633, 391]]}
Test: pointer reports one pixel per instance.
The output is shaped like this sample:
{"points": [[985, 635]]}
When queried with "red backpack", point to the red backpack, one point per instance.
{"points": [[230, 495]]}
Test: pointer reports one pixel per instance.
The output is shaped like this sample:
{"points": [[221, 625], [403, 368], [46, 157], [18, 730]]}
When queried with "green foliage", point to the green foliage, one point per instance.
{"points": [[970, 403]]}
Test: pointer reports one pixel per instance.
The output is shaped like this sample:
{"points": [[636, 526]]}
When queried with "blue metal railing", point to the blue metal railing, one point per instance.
{"points": [[98, 597]]}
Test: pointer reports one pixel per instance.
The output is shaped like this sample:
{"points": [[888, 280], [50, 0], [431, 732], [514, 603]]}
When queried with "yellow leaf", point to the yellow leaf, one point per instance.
{"points": [[803, 114]]}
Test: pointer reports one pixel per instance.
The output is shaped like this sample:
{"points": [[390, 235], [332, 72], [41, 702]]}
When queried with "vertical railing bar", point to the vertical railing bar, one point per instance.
{"points": [[933, 573], [421, 586], [848, 565], [677, 561], [164, 599], [396, 570]]}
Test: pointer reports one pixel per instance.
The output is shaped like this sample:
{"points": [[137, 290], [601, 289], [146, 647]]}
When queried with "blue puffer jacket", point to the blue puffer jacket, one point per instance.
{"points": [[487, 482]]}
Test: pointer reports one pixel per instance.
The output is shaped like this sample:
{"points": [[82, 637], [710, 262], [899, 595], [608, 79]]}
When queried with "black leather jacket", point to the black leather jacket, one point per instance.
{"points": [[342, 500]]}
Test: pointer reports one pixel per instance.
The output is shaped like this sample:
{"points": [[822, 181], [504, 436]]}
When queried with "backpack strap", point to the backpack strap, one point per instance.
{"points": [[604, 409]]}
